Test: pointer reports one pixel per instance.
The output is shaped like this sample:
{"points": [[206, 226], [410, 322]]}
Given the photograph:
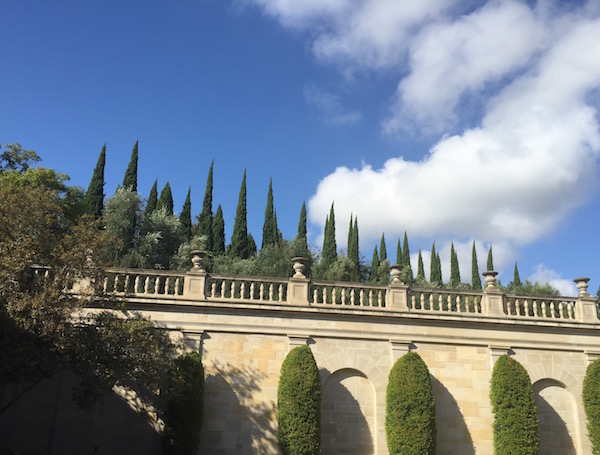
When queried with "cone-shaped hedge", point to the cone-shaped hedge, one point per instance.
{"points": [[591, 404], [299, 404], [513, 405], [410, 408]]}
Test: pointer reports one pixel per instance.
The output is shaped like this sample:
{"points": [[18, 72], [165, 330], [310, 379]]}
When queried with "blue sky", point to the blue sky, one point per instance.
{"points": [[452, 120]]}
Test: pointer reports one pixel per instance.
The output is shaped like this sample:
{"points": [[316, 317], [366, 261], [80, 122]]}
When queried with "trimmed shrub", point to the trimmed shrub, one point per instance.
{"points": [[513, 405], [591, 404], [299, 404], [410, 408], [184, 405]]}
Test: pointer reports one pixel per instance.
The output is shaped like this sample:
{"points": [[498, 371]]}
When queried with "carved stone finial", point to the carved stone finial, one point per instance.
{"points": [[197, 258], [396, 272], [299, 267], [490, 279], [582, 285]]}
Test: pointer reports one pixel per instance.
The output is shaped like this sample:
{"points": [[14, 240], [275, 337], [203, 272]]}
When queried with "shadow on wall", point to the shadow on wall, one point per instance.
{"points": [[233, 422], [555, 438], [345, 421], [452, 433]]}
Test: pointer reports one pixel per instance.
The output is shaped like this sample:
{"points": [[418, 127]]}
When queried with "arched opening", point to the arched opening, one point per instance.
{"points": [[347, 414], [557, 418]]}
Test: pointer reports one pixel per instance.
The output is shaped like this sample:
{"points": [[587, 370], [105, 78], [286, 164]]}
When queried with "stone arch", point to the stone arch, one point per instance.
{"points": [[557, 415], [348, 423]]}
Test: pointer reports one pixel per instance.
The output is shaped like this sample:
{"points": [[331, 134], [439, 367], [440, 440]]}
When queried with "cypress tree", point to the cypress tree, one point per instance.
{"points": [[350, 236], [516, 277], [165, 199], [205, 219], [591, 403], [240, 247], [185, 218], [382, 249], [94, 197], [398, 253], [218, 231], [251, 245], [432, 267], [353, 242], [130, 179], [278, 233], [438, 265], [329, 253], [302, 222], [475, 278], [270, 225], [374, 275], [454, 270], [421, 268], [152, 199], [490, 260], [407, 274]]}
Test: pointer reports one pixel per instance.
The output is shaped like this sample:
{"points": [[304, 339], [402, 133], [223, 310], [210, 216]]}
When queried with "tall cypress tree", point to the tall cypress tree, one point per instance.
{"points": [[240, 247], [438, 264], [269, 226], [432, 268], [398, 253], [374, 274], [130, 179], [490, 260], [205, 219], [407, 274], [382, 249], [165, 200], [301, 236], [185, 218], [420, 267], [350, 236], [435, 276], [218, 232], [152, 199], [475, 278], [278, 233], [454, 270], [329, 253], [516, 277], [353, 243], [94, 197]]}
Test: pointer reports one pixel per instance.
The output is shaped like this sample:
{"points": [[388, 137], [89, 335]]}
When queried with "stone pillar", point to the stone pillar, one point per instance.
{"points": [[195, 278], [396, 298], [298, 284], [586, 309], [492, 303]]}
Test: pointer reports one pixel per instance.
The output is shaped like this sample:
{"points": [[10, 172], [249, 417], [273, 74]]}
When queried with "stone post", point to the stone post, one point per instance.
{"points": [[492, 303], [195, 278], [298, 284], [586, 309], [396, 297]]}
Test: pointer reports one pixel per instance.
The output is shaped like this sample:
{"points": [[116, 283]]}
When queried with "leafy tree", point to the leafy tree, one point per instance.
{"points": [[205, 219], [162, 240], [591, 404], [130, 179], [185, 218], [15, 158], [410, 408], [183, 394], [516, 277], [240, 245], [121, 219], [454, 269], [299, 404], [270, 234], [218, 232], [374, 273], [165, 200], [329, 253], [490, 260], [475, 277], [94, 197], [420, 268], [513, 405]]}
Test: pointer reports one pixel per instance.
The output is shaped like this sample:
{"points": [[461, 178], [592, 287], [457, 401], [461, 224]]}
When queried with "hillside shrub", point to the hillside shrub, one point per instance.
{"points": [[513, 405], [591, 404], [299, 404], [410, 408], [184, 405]]}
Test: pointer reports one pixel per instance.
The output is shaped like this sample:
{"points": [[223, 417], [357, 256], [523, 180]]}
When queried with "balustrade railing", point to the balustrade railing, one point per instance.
{"points": [[143, 282], [246, 288], [536, 307], [427, 300], [353, 294]]}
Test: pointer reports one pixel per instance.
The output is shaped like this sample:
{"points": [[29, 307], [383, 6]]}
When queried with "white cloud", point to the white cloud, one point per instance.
{"points": [[543, 274], [330, 107]]}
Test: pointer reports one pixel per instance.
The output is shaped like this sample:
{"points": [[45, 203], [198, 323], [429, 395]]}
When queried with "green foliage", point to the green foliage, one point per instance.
{"points": [[182, 258], [165, 200], [158, 244], [513, 405], [205, 219], [218, 233], [398, 252], [407, 273], [121, 219], [516, 278], [152, 199], [299, 404], [302, 222], [183, 393], [353, 250], [329, 252], [490, 260], [410, 408], [94, 197], [374, 270], [270, 231], [240, 246], [475, 278], [382, 249], [454, 268], [529, 288], [435, 274], [185, 218], [15, 158], [130, 179], [420, 268], [591, 404]]}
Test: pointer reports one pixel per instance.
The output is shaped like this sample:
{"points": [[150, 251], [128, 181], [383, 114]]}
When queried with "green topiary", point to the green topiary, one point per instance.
{"points": [[591, 404], [410, 408], [184, 405], [513, 405], [299, 404]]}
